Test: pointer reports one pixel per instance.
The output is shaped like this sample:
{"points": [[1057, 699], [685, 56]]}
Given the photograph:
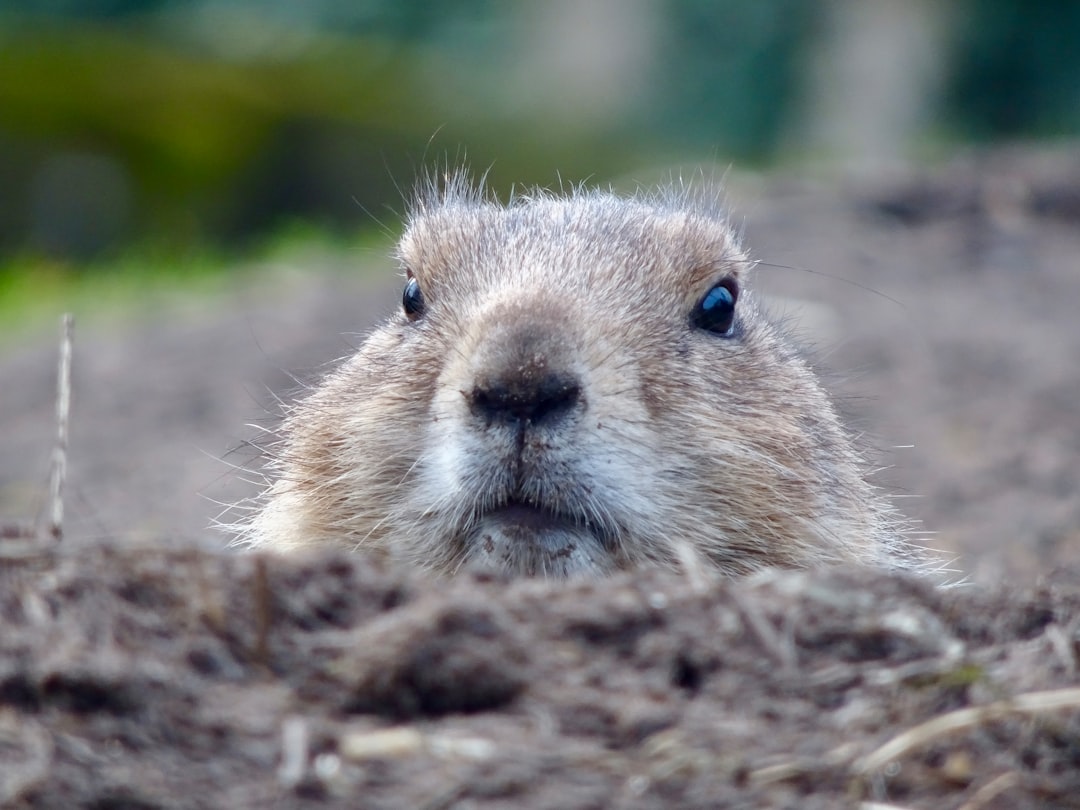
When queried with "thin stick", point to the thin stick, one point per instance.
{"points": [[963, 719], [63, 412], [960, 720], [991, 790], [295, 742], [774, 643]]}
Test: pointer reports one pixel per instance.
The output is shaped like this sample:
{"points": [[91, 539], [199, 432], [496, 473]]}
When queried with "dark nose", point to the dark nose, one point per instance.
{"points": [[530, 395]]}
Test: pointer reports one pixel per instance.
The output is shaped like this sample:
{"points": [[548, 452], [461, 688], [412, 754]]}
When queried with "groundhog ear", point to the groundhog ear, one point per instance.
{"points": [[715, 312]]}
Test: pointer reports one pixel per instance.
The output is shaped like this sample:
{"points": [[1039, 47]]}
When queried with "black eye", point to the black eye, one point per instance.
{"points": [[716, 311], [412, 300]]}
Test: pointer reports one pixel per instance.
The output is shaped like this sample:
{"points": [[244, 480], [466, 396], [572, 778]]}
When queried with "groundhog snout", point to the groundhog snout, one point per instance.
{"points": [[523, 376], [532, 398]]}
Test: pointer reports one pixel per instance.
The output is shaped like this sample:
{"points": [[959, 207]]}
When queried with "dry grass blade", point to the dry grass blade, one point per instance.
{"points": [[63, 412], [991, 790], [963, 719], [58, 473]]}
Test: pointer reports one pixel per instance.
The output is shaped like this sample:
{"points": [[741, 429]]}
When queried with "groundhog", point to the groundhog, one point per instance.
{"points": [[575, 384]]}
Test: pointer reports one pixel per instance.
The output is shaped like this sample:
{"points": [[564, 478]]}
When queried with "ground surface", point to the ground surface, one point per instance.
{"points": [[145, 679], [141, 667]]}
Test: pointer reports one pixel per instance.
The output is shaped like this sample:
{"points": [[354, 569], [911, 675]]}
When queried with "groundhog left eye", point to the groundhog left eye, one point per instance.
{"points": [[412, 300], [716, 311]]}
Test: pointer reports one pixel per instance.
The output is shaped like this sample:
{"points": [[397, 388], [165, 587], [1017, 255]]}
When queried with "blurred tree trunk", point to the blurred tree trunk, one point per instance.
{"points": [[875, 78]]}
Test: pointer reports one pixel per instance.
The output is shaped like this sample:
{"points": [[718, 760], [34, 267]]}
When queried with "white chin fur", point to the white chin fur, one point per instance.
{"points": [[496, 544]]}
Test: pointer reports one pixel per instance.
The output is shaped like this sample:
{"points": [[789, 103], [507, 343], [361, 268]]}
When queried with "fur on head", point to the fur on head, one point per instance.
{"points": [[574, 384]]}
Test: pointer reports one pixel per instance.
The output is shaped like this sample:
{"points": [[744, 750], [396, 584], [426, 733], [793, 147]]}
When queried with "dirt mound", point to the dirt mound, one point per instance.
{"points": [[143, 678]]}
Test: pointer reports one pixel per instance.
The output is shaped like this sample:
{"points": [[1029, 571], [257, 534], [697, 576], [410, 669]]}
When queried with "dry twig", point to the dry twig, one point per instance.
{"points": [[63, 412], [962, 720], [902, 744], [58, 472], [991, 790]]}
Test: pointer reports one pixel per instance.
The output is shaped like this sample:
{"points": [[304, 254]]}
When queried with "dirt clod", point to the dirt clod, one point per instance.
{"points": [[383, 688]]}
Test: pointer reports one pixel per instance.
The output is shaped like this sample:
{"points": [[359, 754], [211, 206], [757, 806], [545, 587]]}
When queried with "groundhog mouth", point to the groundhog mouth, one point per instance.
{"points": [[524, 538], [529, 517]]}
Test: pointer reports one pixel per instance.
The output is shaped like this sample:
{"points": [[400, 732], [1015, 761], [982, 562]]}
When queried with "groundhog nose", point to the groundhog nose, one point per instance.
{"points": [[529, 394]]}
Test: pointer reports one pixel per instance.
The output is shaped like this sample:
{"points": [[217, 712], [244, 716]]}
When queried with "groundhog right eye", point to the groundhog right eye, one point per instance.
{"points": [[716, 311], [412, 300]]}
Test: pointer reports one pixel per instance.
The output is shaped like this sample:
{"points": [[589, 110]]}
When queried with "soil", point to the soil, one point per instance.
{"points": [[143, 666]]}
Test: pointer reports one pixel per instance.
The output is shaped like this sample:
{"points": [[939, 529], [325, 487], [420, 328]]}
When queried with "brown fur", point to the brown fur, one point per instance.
{"points": [[665, 438]]}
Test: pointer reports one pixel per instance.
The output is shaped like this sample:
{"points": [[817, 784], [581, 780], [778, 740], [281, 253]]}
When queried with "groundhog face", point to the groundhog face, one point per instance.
{"points": [[573, 385]]}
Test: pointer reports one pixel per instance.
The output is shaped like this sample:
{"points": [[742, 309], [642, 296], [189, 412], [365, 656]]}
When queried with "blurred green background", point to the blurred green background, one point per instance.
{"points": [[204, 129]]}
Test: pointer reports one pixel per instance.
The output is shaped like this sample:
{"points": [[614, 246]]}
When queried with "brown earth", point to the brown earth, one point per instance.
{"points": [[142, 667], [184, 679]]}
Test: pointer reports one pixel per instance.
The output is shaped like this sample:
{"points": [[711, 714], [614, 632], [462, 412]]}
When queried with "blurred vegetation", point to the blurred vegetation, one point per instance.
{"points": [[36, 287], [119, 134], [1016, 69], [168, 128]]}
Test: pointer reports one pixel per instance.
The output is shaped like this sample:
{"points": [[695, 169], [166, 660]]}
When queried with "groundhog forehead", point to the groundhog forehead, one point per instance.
{"points": [[659, 249]]}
